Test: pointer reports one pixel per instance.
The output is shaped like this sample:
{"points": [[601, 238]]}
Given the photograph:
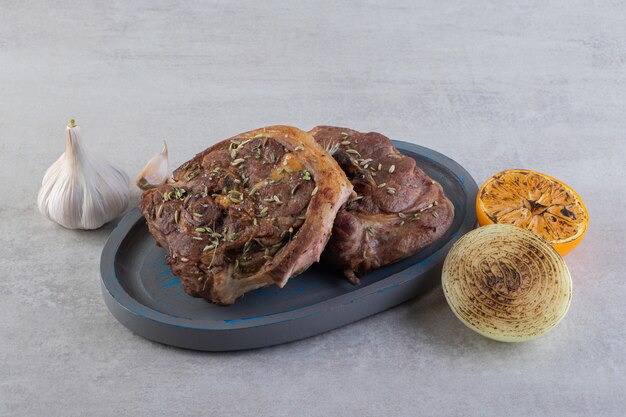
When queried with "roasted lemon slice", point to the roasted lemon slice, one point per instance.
{"points": [[535, 202]]}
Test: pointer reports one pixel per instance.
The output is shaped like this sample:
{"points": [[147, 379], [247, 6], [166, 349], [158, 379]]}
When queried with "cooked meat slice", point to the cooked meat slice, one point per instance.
{"points": [[248, 212], [398, 209]]}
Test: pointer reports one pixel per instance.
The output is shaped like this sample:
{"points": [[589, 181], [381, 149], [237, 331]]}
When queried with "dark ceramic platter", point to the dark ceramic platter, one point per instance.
{"points": [[141, 292]]}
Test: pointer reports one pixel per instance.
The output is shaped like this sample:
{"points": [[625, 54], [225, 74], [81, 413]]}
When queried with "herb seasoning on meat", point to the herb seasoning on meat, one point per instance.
{"points": [[247, 212]]}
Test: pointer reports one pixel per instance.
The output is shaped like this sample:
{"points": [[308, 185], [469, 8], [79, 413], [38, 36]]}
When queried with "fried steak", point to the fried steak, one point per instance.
{"points": [[397, 210], [248, 212]]}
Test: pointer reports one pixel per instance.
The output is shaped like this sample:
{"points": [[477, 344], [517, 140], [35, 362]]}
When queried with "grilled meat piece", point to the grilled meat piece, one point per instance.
{"points": [[397, 211], [248, 212]]}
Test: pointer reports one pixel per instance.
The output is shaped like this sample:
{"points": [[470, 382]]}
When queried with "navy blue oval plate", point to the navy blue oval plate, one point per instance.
{"points": [[141, 292]]}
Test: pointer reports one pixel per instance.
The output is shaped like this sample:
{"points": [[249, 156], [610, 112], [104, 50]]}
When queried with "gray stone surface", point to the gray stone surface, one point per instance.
{"points": [[540, 85]]}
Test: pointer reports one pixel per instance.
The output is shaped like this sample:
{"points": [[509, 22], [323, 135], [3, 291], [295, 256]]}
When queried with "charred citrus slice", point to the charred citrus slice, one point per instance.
{"points": [[535, 202]]}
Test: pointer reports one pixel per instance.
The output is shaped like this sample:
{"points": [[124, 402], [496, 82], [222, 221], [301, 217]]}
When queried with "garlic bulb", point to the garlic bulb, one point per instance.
{"points": [[506, 283], [80, 190], [155, 172]]}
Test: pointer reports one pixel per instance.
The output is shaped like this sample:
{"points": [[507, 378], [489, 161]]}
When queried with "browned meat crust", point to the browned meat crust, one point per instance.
{"points": [[248, 212], [398, 209]]}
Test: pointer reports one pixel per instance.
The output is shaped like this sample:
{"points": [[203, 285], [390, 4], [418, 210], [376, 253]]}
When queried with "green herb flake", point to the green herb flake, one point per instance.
{"points": [[263, 212], [244, 143], [179, 193]]}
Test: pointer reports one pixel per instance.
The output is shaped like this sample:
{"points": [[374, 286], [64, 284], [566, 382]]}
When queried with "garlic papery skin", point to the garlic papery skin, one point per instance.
{"points": [[81, 190], [155, 172]]}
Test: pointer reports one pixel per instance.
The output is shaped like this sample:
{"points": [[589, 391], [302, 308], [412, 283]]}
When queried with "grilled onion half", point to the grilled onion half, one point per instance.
{"points": [[506, 283]]}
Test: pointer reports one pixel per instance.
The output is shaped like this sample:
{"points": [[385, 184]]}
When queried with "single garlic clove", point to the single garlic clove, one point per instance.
{"points": [[155, 172], [80, 190]]}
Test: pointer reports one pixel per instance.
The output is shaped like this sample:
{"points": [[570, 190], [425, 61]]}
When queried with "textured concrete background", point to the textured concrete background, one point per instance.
{"points": [[540, 85]]}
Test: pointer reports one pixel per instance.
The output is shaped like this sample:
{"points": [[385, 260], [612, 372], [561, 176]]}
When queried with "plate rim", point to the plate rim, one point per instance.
{"points": [[115, 292]]}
